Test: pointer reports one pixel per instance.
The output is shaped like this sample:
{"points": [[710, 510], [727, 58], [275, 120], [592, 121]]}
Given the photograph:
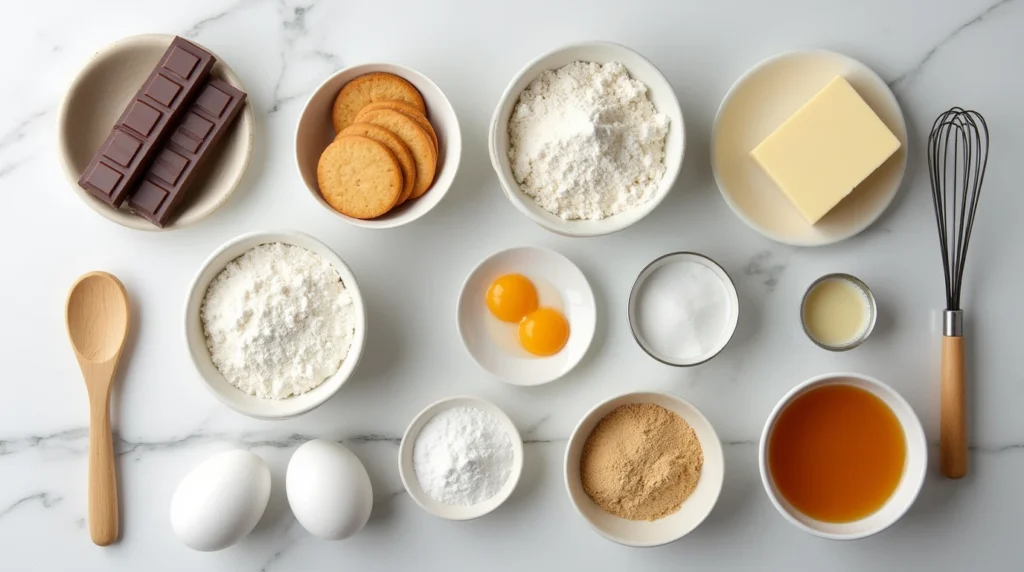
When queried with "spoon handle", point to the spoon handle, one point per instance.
{"points": [[103, 521]]}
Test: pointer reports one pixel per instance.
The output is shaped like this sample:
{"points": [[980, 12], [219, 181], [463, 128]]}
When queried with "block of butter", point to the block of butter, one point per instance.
{"points": [[828, 147]]}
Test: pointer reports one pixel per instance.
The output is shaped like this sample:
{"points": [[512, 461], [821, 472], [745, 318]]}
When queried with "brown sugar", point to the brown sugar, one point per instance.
{"points": [[641, 462]]}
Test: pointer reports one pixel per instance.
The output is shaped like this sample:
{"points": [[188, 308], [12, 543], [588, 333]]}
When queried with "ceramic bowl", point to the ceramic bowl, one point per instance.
{"points": [[636, 295], [315, 132], [674, 526], [407, 469], [913, 472], [96, 98], [196, 339], [757, 104], [660, 93], [493, 344]]}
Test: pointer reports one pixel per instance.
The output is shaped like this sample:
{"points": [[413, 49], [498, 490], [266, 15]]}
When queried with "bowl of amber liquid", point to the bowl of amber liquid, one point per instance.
{"points": [[843, 456]]}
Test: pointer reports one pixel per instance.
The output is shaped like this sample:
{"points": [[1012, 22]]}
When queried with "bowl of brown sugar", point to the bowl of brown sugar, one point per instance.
{"points": [[644, 469]]}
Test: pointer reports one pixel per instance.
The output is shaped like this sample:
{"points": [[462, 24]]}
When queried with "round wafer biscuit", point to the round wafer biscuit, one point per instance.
{"points": [[395, 145], [415, 138], [407, 109], [359, 177], [368, 88]]}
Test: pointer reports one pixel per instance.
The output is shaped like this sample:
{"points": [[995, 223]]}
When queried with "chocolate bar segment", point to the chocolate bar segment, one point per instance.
{"points": [[147, 121], [176, 167]]}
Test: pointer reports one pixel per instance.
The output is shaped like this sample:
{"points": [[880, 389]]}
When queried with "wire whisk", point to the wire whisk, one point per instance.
{"points": [[957, 158]]}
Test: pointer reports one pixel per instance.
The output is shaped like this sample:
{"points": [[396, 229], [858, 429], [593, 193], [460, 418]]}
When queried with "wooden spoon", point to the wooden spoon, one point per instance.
{"points": [[97, 319]]}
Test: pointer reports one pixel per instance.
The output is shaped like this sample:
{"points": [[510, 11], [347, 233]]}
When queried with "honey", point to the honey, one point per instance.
{"points": [[836, 453]]}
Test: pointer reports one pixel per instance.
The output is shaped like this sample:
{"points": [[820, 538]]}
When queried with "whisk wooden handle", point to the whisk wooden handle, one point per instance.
{"points": [[953, 424]]}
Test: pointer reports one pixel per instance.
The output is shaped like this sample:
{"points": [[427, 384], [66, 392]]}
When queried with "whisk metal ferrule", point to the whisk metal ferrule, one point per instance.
{"points": [[953, 323]]}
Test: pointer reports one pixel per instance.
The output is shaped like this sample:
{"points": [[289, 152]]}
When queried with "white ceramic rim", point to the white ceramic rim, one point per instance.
{"points": [[890, 96], [641, 278], [407, 471], [132, 221], [329, 386], [510, 187], [916, 463], [644, 397], [452, 146], [571, 365]]}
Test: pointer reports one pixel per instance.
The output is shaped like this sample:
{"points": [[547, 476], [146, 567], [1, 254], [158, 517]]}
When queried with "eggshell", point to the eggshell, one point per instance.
{"points": [[220, 501], [328, 490]]}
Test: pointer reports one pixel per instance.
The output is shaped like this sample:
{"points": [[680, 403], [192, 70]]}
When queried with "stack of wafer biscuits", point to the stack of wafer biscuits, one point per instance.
{"points": [[385, 150]]}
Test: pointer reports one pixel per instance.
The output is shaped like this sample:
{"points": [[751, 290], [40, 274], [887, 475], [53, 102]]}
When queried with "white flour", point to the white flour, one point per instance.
{"points": [[462, 456], [278, 321], [586, 143]]}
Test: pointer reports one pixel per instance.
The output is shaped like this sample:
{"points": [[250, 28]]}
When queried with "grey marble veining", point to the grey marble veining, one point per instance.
{"points": [[933, 53]]}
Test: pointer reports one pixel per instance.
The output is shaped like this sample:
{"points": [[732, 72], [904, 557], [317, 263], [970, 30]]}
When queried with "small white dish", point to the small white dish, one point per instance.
{"points": [[906, 491], [660, 93], [96, 98], [674, 526], [315, 132], [407, 470], [637, 298], [195, 338], [477, 326], [758, 103]]}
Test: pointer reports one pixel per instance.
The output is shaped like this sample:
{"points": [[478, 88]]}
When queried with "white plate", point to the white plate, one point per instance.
{"points": [[407, 470], [98, 95], [760, 101], [549, 270], [195, 339], [693, 510]]}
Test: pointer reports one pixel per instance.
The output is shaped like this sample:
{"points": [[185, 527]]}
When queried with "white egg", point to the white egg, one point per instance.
{"points": [[221, 500], [328, 489]]}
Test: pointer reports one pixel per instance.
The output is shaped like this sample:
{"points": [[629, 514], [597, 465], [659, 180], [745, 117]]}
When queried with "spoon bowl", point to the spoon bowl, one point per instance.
{"points": [[97, 318]]}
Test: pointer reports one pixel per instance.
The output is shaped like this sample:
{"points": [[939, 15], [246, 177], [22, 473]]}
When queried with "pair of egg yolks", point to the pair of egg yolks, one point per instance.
{"points": [[513, 298]]}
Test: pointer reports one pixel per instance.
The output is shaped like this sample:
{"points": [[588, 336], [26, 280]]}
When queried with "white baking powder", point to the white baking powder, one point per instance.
{"points": [[463, 456], [278, 321], [682, 310], [586, 143]]}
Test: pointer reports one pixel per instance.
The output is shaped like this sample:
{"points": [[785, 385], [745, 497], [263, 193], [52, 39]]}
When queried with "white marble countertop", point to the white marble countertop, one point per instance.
{"points": [[934, 54]]}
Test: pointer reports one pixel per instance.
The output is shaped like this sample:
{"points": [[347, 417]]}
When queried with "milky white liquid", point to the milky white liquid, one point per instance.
{"points": [[836, 312]]}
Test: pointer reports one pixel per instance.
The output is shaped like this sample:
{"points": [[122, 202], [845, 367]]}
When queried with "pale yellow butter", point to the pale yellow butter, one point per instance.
{"points": [[828, 147]]}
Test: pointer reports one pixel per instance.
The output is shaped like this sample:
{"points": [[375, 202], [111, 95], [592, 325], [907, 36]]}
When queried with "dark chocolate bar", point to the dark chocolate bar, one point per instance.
{"points": [[177, 163], [137, 135]]}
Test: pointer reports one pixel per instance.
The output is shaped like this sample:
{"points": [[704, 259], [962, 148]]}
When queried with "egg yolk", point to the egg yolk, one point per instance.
{"points": [[511, 297], [544, 332]]}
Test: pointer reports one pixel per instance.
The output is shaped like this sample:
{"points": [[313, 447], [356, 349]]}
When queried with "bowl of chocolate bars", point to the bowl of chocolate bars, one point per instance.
{"points": [[155, 132]]}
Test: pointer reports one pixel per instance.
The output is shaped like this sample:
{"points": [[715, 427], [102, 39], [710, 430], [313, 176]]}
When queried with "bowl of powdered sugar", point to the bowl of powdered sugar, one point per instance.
{"points": [[587, 139], [274, 324], [460, 458]]}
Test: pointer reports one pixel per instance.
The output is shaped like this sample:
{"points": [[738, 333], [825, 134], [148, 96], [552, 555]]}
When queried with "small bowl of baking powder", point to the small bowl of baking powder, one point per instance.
{"points": [[683, 309], [274, 324], [460, 458], [588, 139]]}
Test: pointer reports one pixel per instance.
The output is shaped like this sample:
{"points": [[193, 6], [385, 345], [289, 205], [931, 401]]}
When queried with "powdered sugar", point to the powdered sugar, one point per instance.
{"points": [[463, 456], [278, 321], [586, 143]]}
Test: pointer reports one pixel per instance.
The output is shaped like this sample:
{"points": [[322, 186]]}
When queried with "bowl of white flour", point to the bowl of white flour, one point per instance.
{"points": [[587, 139], [274, 324]]}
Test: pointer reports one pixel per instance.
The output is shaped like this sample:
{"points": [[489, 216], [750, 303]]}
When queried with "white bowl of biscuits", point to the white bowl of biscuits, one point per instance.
{"points": [[378, 145]]}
